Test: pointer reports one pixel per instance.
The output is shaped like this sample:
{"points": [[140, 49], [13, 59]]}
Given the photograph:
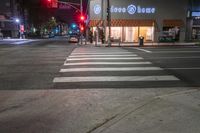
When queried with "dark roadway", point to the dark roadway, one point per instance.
{"points": [[34, 66], [181, 61]]}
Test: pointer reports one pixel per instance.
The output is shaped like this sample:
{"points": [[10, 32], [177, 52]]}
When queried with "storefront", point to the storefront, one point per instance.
{"points": [[153, 20], [195, 18], [193, 21]]}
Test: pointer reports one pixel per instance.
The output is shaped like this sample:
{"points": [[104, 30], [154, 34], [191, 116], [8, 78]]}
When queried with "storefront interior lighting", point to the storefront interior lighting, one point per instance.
{"points": [[197, 17]]}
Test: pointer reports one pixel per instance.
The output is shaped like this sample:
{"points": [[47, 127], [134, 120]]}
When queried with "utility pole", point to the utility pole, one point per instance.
{"points": [[109, 23]]}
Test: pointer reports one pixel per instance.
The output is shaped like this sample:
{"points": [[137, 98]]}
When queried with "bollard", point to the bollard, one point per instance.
{"points": [[141, 41], [119, 42]]}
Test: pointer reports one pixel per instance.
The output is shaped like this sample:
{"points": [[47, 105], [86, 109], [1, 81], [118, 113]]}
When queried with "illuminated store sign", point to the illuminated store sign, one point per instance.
{"points": [[130, 9], [97, 9], [195, 14]]}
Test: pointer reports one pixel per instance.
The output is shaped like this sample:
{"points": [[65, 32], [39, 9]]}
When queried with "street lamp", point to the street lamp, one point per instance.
{"points": [[82, 18], [17, 20]]}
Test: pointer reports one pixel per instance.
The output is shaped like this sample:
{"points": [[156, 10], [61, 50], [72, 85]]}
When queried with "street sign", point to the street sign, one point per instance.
{"points": [[63, 6], [54, 4]]}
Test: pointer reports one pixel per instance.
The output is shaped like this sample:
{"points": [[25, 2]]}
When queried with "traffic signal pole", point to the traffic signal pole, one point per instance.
{"points": [[81, 8]]}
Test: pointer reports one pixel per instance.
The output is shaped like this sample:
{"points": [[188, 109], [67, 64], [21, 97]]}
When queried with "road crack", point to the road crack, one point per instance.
{"points": [[101, 124]]}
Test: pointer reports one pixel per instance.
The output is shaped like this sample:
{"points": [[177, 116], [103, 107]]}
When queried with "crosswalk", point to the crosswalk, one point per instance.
{"points": [[97, 67]]}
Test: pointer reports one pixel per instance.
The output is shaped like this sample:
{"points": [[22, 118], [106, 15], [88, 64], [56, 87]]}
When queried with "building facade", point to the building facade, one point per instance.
{"points": [[8, 13], [193, 21], [163, 20]]}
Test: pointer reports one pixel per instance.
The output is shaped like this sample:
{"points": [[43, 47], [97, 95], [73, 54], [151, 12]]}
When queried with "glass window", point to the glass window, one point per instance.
{"points": [[147, 33], [131, 34], [116, 32]]}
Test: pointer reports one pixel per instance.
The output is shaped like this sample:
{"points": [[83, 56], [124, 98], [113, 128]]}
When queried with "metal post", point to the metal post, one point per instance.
{"points": [[109, 23], [81, 8]]}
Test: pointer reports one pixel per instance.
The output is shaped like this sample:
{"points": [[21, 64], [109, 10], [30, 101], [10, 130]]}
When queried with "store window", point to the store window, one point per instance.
{"points": [[147, 33], [196, 33], [116, 33], [131, 34], [171, 33], [196, 28]]}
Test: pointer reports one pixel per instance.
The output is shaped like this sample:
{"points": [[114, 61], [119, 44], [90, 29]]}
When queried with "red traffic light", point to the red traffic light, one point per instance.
{"points": [[82, 18], [49, 1], [82, 28]]}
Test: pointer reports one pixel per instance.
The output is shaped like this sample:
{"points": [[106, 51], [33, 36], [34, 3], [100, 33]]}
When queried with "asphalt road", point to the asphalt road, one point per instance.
{"points": [[181, 61], [34, 65], [50, 86], [31, 65]]}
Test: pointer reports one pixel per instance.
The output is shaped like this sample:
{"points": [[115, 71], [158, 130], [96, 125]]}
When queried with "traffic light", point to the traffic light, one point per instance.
{"points": [[82, 28], [73, 25], [82, 18]]}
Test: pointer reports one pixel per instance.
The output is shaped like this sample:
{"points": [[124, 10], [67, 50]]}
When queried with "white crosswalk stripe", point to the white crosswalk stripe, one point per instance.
{"points": [[116, 78], [94, 65], [88, 56], [110, 69], [119, 58], [100, 53], [107, 63]]}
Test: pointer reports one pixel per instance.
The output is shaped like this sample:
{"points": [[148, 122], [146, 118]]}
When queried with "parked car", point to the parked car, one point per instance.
{"points": [[51, 35], [45, 36], [73, 39]]}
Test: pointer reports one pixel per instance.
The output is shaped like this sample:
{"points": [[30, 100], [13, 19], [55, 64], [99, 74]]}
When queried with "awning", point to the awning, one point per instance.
{"points": [[124, 22], [173, 22], [94, 23]]}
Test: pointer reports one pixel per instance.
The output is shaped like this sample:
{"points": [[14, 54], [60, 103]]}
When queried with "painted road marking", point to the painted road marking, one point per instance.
{"points": [[192, 68], [115, 78], [176, 52], [87, 56], [22, 42], [191, 57], [147, 51], [127, 58], [100, 53], [111, 69], [107, 63]]}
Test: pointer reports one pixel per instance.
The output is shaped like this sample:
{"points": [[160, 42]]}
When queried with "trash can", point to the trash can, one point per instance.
{"points": [[141, 41]]}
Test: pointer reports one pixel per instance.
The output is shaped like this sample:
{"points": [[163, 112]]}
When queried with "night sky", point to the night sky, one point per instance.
{"points": [[41, 13]]}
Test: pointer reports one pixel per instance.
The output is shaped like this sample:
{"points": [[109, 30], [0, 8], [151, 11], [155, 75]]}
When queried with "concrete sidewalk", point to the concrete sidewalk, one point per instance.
{"points": [[147, 110], [145, 44], [177, 112]]}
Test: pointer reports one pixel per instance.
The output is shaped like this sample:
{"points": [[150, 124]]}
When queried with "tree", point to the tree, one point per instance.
{"points": [[48, 26]]}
